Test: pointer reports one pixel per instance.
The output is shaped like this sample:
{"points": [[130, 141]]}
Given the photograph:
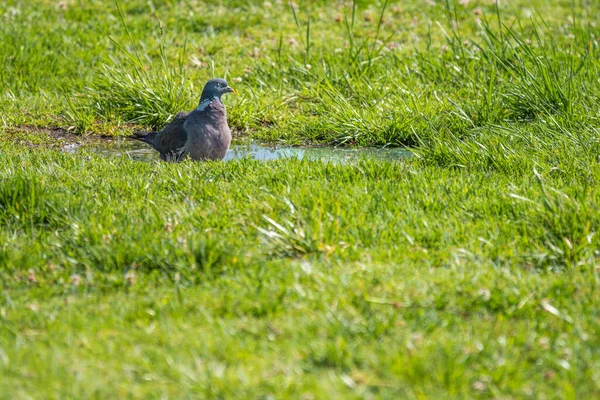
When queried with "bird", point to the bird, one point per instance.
{"points": [[202, 134]]}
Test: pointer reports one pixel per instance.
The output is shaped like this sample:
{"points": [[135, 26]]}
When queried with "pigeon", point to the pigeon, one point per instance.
{"points": [[202, 134]]}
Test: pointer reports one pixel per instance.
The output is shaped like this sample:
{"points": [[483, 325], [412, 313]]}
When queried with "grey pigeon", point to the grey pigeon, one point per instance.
{"points": [[202, 134]]}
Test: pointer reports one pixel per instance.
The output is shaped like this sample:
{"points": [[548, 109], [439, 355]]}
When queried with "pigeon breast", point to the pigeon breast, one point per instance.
{"points": [[208, 135]]}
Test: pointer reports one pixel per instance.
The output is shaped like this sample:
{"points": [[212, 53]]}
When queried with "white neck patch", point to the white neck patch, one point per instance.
{"points": [[204, 103]]}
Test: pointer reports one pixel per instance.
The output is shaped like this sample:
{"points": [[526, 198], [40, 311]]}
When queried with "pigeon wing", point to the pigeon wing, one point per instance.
{"points": [[171, 140]]}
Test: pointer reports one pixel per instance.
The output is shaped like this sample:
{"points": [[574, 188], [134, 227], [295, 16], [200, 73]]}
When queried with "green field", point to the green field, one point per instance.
{"points": [[469, 270]]}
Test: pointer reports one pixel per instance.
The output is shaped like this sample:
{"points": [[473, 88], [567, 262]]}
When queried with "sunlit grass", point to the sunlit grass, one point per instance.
{"points": [[454, 270], [468, 270]]}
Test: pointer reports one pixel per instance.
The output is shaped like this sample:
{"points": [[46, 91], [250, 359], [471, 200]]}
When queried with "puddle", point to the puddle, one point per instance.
{"points": [[142, 152]]}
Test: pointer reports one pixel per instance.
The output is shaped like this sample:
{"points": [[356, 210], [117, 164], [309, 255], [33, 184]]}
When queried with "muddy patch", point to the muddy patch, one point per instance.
{"points": [[33, 136]]}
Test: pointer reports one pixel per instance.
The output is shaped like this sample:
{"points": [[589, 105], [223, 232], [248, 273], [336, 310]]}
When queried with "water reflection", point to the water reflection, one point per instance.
{"points": [[142, 152]]}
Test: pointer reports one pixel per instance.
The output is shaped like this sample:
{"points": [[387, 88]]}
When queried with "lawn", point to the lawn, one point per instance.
{"points": [[470, 269]]}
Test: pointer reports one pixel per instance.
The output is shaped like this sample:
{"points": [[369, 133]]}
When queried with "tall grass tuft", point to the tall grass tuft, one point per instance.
{"points": [[24, 201], [133, 88], [208, 257], [561, 228]]}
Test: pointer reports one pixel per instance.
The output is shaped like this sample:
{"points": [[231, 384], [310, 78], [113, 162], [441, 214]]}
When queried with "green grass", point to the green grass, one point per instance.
{"points": [[362, 73], [244, 279], [469, 270]]}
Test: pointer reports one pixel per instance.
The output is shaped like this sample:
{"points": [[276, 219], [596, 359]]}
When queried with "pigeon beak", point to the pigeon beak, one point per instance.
{"points": [[230, 90]]}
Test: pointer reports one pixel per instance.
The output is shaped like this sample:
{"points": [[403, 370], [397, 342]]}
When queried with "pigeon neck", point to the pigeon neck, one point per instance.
{"points": [[205, 101]]}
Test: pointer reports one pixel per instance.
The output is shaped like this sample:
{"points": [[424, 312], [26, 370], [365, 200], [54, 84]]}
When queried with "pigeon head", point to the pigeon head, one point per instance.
{"points": [[215, 88]]}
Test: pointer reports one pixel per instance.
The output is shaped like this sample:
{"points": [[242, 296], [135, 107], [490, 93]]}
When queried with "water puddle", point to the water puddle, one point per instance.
{"points": [[142, 152]]}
